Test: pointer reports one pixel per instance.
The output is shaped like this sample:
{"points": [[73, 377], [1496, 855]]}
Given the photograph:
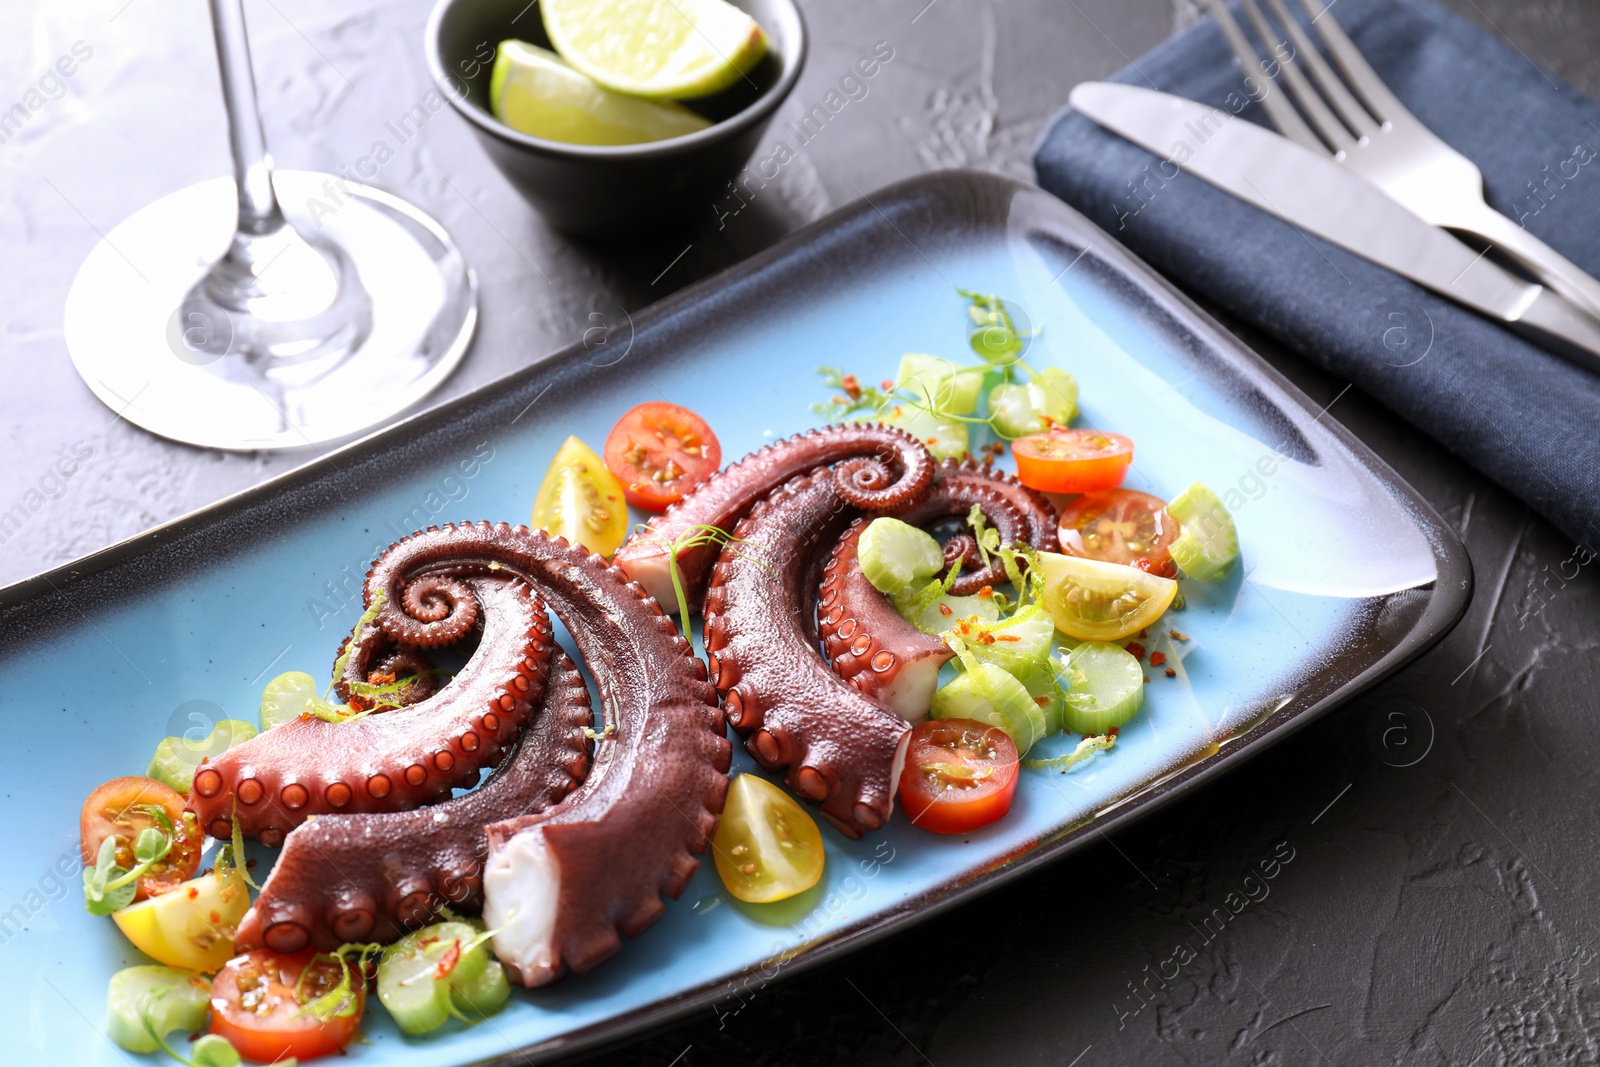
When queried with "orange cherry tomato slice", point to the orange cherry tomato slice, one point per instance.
{"points": [[255, 1006], [660, 451], [1063, 460], [959, 775], [1121, 526], [122, 807]]}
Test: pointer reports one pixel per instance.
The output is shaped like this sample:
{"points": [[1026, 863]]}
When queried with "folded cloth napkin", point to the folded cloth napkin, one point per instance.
{"points": [[1526, 418]]}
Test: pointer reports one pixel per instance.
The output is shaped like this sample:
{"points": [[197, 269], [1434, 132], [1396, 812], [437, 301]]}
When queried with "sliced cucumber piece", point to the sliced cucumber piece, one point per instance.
{"points": [[483, 995], [410, 984], [287, 697], [1107, 688], [945, 438], [895, 555], [1042, 684], [165, 998], [938, 614], [1015, 645], [177, 757], [1208, 543], [986, 693], [1051, 399], [939, 383]]}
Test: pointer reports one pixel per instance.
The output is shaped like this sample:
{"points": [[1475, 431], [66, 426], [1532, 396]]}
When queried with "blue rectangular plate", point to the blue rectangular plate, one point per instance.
{"points": [[1347, 575]]}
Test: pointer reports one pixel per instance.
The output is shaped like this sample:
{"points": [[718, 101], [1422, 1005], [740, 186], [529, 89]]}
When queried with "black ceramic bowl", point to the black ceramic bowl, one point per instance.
{"points": [[606, 190]]}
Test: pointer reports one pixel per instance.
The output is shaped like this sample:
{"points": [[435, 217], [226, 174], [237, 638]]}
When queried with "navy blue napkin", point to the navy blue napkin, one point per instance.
{"points": [[1528, 419]]}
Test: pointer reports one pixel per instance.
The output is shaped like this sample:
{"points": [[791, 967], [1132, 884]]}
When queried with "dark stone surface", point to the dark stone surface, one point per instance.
{"points": [[1436, 913]]}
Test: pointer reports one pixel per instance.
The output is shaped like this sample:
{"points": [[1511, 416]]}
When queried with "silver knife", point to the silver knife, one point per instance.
{"points": [[1320, 197]]}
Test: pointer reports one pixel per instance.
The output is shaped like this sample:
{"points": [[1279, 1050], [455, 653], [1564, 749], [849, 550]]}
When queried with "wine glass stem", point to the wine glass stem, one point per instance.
{"points": [[252, 166]]}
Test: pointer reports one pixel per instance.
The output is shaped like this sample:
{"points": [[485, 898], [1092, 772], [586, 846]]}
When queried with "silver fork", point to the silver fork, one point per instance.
{"points": [[1362, 125]]}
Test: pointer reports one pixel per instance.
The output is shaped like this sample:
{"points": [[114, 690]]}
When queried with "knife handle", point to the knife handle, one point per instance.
{"points": [[1549, 267], [1556, 324]]}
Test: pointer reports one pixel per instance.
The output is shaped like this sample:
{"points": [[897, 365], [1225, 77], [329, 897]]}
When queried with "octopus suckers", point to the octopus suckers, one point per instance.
{"points": [[811, 783], [767, 746], [286, 937]]}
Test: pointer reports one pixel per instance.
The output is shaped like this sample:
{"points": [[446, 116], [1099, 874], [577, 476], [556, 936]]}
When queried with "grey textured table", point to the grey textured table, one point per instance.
{"points": [[1436, 912]]}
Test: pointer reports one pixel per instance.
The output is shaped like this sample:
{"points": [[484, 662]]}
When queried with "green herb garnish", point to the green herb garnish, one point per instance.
{"points": [[108, 886], [993, 335], [1086, 748], [697, 537], [367, 618], [853, 396]]}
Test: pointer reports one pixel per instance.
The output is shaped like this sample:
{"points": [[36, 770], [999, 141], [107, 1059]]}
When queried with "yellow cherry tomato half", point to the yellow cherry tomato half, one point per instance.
{"points": [[190, 926], [766, 847], [1097, 601], [581, 500]]}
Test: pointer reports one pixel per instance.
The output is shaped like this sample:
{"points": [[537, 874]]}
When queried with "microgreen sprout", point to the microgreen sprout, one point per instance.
{"points": [[208, 1050], [994, 336], [698, 537], [107, 885]]}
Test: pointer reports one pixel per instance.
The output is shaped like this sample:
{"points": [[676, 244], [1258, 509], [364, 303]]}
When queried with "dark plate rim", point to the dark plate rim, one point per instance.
{"points": [[1451, 591]]}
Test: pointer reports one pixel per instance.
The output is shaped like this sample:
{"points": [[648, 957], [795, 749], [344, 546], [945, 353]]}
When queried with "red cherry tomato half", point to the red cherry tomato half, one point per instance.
{"points": [[255, 1005], [1121, 526], [959, 775], [125, 807], [1063, 460], [660, 451]]}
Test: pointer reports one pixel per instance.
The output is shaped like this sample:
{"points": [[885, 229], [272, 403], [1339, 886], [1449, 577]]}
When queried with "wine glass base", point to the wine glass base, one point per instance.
{"points": [[168, 363]]}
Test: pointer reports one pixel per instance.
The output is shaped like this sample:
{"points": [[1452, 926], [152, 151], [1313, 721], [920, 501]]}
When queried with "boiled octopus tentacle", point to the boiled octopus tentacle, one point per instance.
{"points": [[1021, 515], [842, 748], [881, 468], [870, 645], [563, 885], [399, 759], [345, 878]]}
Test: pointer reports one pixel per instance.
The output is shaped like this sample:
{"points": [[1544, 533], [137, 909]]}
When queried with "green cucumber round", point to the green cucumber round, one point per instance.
{"points": [[1208, 542], [895, 555], [1107, 688], [985, 693], [154, 998]]}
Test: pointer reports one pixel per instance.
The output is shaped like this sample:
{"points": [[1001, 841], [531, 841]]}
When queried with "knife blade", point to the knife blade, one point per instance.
{"points": [[1322, 198]]}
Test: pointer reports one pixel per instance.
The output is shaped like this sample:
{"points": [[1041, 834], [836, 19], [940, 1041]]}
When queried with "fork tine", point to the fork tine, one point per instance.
{"points": [[1295, 84], [1348, 107], [1383, 105], [1279, 111]]}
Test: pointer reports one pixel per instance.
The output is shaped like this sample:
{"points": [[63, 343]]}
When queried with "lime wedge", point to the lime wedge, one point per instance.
{"points": [[534, 92], [672, 49]]}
